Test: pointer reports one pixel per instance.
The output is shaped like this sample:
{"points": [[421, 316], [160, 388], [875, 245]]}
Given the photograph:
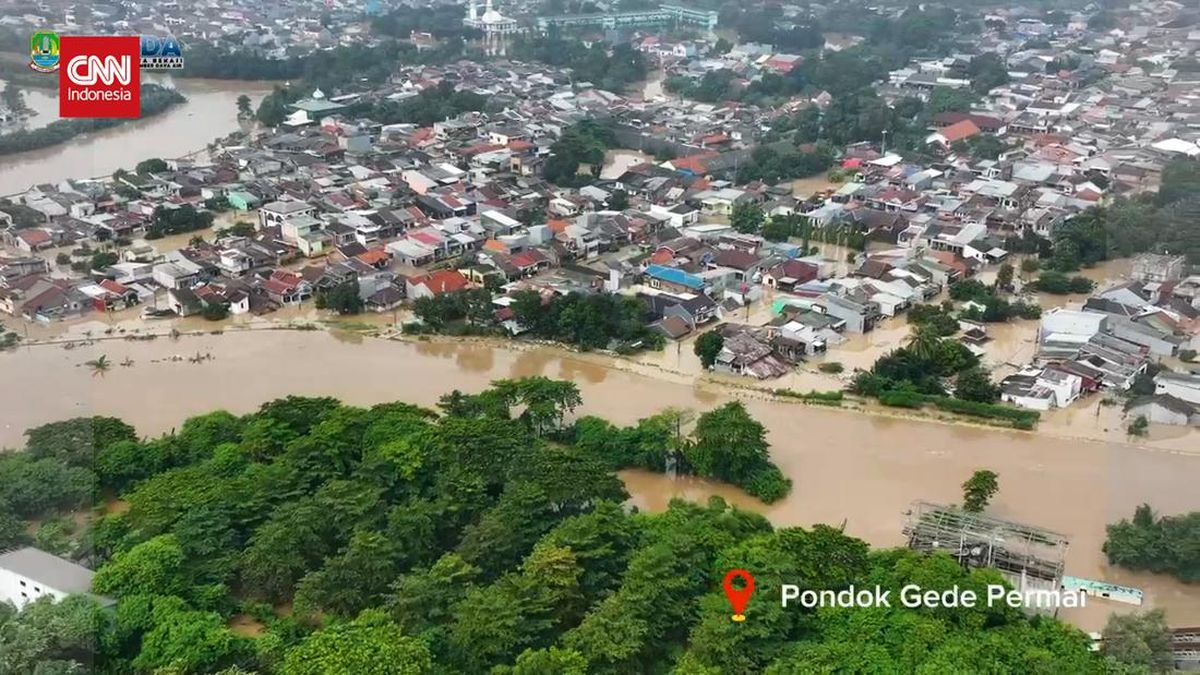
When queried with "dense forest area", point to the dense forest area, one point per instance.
{"points": [[595, 64], [489, 537], [155, 100]]}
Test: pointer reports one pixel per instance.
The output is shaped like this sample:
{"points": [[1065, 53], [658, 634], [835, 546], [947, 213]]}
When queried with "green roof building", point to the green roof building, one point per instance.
{"points": [[243, 201]]}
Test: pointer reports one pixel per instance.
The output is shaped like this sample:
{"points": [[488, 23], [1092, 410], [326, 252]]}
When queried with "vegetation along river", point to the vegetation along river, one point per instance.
{"points": [[860, 469]]}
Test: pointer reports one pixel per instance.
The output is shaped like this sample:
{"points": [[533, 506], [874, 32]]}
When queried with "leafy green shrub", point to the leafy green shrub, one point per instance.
{"points": [[902, 399], [768, 484], [1027, 310], [832, 367], [1058, 283], [818, 397], [1081, 285], [991, 410]]}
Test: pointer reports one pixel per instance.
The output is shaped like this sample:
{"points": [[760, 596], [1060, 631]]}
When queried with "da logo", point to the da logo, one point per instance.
{"points": [[100, 77], [43, 51]]}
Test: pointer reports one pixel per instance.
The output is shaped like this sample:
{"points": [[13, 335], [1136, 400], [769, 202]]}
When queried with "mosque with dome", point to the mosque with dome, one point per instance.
{"points": [[492, 22]]}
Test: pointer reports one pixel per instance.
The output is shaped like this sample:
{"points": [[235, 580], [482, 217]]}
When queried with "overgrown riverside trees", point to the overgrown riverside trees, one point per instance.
{"points": [[979, 489], [595, 321], [919, 374], [921, 366], [155, 100], [431, 105], [489, 538], [1164, 545], [610, 70], [1138, 643]]}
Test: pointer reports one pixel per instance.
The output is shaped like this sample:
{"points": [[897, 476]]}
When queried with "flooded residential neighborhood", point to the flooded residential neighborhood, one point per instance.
{"points": [[528, 337]]}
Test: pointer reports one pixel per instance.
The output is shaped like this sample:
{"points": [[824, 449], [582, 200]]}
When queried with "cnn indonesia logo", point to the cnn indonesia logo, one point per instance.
{"points": [[102, 77], [88, 70]]}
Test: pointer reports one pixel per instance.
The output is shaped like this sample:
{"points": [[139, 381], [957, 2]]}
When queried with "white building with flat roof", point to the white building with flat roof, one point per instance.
{"points": [[27, 574], [1069, 325]]}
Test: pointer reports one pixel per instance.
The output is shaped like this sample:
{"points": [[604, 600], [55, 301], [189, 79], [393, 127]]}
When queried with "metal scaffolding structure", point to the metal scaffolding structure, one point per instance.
{"points": [[978, 540], [1185, 642]]}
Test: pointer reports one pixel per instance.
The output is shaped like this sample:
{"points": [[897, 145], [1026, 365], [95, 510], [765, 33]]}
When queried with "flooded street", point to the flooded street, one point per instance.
{"points": [[617, 162], [862, 469], [210, 112], [652, 88], [43, 102]]}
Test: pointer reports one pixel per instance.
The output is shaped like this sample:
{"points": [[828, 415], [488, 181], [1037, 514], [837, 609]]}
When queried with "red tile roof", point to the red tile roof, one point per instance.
{"points": [[373, 257], [662, 256], [34, 237], [442, 281], [288, 279], [113, 287], [959, 130], [693, 163], [276, 287], [738, 260], [426, 238], [480, 148], [528, 258]]}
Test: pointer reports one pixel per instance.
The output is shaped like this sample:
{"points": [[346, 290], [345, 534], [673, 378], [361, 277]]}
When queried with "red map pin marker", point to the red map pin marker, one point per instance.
{"points": [[738, 597]]}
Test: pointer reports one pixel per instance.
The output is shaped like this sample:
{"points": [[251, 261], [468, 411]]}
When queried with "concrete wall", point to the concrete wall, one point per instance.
{"points": [[1158, 414], [12, 590]]}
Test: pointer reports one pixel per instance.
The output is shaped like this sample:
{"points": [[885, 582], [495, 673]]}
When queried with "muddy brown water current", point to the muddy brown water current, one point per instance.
{"points": [[210, 112], [860, 469]]}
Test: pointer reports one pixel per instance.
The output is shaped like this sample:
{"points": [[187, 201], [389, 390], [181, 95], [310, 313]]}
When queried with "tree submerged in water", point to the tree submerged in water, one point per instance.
{"points": [[979, 490], [99, 365]]}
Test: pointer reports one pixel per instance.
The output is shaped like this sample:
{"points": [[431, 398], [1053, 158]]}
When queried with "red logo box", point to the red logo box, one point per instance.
{"points": [[99, 77]]}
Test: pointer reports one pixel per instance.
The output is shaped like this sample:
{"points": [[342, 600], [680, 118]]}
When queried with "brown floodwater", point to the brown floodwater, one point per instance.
{"points": [[847, 467], [210, 112]]}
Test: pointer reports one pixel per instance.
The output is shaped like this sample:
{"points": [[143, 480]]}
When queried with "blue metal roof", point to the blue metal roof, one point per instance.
{"points": [[675, 276]]}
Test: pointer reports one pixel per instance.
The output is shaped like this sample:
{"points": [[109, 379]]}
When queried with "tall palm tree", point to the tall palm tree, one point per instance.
{"points": [[924, 344]]}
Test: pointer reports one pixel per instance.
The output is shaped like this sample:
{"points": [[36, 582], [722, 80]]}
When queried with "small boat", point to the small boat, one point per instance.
{"points": [[151, 313]]}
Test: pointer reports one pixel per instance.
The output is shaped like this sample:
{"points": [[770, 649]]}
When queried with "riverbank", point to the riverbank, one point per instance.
{"points": [[155, 101], [1089, 424], [15, 68], [210, 112], [864, 469]]}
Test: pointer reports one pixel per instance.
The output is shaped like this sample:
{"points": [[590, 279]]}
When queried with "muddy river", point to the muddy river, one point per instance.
{"points": [[209, 113], [855, 468]]}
